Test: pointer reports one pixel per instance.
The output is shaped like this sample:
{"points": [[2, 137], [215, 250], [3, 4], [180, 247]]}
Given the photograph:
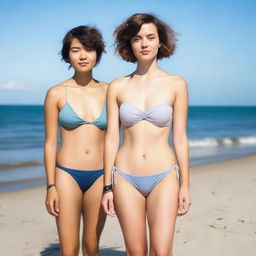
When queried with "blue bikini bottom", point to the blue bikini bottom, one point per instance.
{"points": [[84, 179], [145, 184]]}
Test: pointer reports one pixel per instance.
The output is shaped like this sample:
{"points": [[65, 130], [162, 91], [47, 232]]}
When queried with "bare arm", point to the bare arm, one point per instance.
{"points": [[180, 143], [111, 145], [180, 140], [51, 135], [50, 149], [112, 134]]}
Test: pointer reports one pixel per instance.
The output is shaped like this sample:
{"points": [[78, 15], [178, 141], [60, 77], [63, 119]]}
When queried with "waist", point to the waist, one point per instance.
{"points": [[86, 158], [145, 159]]}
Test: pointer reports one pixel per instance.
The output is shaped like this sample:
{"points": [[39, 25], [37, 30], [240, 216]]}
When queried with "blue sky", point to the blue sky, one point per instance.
{"points": [[215, 54]]}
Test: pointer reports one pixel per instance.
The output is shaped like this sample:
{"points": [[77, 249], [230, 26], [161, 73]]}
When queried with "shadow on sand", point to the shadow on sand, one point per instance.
{"points": [[54, 250]]}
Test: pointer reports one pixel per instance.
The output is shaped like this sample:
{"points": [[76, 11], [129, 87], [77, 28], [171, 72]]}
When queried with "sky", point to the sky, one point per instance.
{"points": [[215, 49]]}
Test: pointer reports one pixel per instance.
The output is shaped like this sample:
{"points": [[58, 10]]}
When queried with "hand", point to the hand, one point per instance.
{"points": [[107, 203], [184, 201], [52, 201]]}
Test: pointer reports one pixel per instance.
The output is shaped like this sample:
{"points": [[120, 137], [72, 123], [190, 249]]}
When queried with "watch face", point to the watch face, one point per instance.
{"points": [[107, 188]]}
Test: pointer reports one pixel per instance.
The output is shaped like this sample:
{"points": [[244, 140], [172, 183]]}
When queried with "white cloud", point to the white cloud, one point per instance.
{"points": [[13, 85]]}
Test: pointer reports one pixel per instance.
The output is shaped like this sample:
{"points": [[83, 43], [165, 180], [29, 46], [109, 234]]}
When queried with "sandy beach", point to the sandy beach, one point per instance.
{"points": [[221, 221]]}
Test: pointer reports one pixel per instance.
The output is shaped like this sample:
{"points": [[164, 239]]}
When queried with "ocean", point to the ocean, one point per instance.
{"points": [[215, 133]]}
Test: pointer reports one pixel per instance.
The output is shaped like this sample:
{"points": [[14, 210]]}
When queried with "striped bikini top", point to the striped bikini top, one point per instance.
{"points": [[70, 119], [160, 114]]}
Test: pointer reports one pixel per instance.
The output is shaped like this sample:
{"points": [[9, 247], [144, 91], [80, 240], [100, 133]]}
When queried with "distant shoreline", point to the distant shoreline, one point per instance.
{"points": [[41, 105]]}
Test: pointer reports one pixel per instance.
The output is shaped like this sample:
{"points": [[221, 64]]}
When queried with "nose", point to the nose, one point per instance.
{"points": [[83, 55], [144, 43]]}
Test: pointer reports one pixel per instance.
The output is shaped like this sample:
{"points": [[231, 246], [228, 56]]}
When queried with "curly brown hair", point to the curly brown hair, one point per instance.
{"points": [[90, 38], [127, 30]]}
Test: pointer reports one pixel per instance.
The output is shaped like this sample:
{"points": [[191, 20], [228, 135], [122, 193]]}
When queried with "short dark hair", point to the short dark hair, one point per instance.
{"points": [[90, 37], [127, 30]]}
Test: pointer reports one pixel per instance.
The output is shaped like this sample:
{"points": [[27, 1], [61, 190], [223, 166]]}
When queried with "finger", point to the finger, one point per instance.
{"points": [[47, 205], [186, 206], [183, 209], [56, 205], [53, 212], [180, 204], [111, 208], [181, 213], [105, 207]]}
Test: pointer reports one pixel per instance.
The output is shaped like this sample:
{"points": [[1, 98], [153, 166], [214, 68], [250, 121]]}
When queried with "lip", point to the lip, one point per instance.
{"points": [[83, 64], [145, 52]]}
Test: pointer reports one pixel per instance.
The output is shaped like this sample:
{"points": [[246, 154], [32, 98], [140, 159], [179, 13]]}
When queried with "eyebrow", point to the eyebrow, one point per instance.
{"points": [[152, 34], [75, 48]]}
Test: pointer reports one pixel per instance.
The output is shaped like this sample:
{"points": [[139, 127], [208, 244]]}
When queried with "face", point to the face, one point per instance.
{"points": [[81, 58], [146, 43]]}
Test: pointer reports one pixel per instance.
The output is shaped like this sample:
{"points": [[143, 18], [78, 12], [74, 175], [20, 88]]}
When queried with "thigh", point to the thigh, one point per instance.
{"points": [[162, 206], [70, 208], [130, 208], [93, 214]]}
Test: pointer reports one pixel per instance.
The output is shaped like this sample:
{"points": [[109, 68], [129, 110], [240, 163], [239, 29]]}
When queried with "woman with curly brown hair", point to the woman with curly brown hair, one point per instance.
{"points": [[75, 172], [149, 181]]}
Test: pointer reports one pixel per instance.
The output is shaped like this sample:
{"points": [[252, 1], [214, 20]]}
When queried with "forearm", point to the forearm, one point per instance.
{"points": [[110, 152], [50, 150], [181, 148]]}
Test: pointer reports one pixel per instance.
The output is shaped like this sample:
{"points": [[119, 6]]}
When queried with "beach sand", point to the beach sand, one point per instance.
{"points": [[221, 221]]}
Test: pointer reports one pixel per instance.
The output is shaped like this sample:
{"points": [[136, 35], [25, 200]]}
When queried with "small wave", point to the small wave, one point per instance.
{"points": [[20, 164], [213, 142]]}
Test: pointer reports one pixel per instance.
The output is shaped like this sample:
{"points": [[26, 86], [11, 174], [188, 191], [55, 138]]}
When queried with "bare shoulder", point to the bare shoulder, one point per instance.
{"points": [[179, 82], [56, 92], [117, 83], [175, 81]]}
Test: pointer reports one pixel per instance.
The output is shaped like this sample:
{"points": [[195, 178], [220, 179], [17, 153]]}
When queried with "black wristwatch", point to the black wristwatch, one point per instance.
{"points": [[107, 188], [50, 185]]}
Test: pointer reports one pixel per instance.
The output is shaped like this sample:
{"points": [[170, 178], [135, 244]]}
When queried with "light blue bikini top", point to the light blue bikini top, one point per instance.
{"points": [[160, 114], [69, 118]]}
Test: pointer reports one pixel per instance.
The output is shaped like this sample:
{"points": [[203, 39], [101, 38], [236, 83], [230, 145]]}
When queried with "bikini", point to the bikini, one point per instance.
{"points": [[159, 115], [68, 118]]}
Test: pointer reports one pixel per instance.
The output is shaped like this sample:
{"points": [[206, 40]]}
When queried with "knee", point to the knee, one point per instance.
{"points": [[70, 251], [161, 251], [90, 248]]}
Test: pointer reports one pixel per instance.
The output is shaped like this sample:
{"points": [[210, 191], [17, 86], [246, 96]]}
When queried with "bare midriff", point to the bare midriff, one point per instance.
{"points": [[81, 148], [145, 149]]}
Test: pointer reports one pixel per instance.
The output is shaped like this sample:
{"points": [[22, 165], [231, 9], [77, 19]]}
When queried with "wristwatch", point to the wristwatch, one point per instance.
{"points": [[50, 185], [107, 188]]}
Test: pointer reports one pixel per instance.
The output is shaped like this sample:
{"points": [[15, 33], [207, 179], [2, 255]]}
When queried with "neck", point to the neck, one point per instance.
{"points": [[83, 79], [146, 68]]}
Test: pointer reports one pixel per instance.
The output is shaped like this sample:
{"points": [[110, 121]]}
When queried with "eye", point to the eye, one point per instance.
{"points": [[74, 50], [151, 38], [136, 39], [88, 49]]}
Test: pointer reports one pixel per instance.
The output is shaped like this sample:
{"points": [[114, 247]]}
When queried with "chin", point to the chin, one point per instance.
{"points": [[146, 58], [84, 69]]}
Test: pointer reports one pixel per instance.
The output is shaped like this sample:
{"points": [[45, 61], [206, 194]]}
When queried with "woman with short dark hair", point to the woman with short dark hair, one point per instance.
{"points": [[75, 171], [149, 181]]}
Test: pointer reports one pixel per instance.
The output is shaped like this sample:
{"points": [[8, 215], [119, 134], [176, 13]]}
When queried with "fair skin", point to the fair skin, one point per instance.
{"points": [[145, 151], [81, 148]]}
